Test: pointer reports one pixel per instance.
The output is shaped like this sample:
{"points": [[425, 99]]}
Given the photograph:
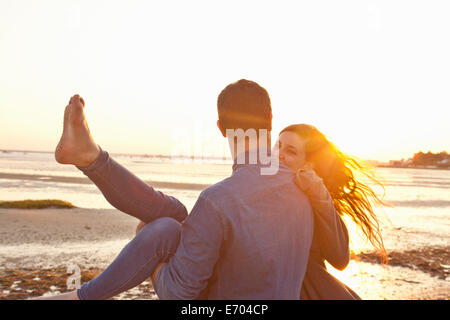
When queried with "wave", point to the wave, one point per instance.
{"points": [[420, 203], [441, 185]]}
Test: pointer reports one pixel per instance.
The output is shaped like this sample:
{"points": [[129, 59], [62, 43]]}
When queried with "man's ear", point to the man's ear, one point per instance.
{"points": [[221, 129]]}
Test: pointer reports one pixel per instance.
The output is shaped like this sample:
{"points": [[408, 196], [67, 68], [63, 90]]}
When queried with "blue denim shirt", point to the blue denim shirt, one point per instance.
{"points": [[247, 237]]}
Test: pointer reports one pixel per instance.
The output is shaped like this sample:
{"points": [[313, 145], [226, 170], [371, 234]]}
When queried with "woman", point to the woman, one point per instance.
{"points": [[327, 176], [301, 147]]}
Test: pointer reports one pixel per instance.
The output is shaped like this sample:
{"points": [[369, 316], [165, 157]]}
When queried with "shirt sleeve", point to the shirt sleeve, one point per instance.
{"points": [[189, 269], [329, 227]]}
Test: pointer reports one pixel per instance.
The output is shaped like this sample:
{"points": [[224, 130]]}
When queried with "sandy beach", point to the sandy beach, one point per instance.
{"points": [[38, 245]]}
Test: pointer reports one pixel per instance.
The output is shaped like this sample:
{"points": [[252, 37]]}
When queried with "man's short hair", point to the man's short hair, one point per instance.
{"points": [[244, 104]]}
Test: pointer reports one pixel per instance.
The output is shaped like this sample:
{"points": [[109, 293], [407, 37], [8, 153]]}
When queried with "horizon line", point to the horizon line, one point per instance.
{"points": [[163, 155], [129, 154]]}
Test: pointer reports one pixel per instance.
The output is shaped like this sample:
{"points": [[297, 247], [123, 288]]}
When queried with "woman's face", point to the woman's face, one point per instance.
{"points": [[291, 150]]}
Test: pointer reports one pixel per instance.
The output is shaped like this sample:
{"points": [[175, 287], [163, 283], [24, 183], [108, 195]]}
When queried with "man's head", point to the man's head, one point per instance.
{"points": [[243, 105]]}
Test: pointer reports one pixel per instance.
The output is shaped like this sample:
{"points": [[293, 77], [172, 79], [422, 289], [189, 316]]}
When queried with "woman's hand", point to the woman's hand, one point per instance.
{"points": [[140, 226], [307, 179]]}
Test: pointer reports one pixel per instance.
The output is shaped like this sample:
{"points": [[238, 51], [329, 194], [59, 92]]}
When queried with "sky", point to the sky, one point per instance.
{"points": [[374, 76]]}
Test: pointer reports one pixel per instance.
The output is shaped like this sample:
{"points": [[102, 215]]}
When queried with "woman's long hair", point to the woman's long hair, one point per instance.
{"points": [[351, 197]]}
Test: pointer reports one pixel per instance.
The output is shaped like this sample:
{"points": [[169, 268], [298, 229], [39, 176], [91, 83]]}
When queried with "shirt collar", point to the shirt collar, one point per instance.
{"points": [[250, 154]]}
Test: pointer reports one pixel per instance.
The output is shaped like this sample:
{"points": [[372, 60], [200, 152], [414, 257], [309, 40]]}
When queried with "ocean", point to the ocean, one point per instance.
{"points": [[418, 218]]}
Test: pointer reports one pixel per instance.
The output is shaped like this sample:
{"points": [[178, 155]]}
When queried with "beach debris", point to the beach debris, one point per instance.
{"points": [[15, 284], [73, 281], [36, 282], [435, 260]]}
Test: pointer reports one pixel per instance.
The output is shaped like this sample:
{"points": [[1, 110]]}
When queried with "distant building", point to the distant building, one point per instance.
{"points": [[427, 160]]}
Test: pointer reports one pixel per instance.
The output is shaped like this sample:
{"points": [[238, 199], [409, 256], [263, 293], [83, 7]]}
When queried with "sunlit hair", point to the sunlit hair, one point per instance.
{"points": [[351, 197]]}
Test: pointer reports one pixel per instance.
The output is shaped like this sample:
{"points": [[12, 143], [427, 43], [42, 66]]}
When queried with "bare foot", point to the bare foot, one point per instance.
{"points": [[76, 145]]}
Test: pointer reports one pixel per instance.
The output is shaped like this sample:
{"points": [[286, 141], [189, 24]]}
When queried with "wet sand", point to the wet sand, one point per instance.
{"points": [[84, 180], [37, 246]]}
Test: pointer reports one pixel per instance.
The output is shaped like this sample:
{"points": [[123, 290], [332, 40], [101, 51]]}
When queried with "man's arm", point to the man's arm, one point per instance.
{"points": [[187, 272]]}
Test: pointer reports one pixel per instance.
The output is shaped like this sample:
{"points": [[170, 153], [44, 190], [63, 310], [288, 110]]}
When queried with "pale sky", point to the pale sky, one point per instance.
{"points": [[374, 76]]}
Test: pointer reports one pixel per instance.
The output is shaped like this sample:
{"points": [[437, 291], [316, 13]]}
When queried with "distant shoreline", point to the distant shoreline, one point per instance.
{"points": [[143, 155], [374, 163]]}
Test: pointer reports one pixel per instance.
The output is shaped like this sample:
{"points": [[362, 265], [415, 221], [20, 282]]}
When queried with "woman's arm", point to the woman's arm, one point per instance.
{"points": [[329, 226]]}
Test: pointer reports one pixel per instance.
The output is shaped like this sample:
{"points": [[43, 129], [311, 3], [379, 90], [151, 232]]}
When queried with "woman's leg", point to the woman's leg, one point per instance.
{"points": [[155, 243], [130, 194], [121, 188]]}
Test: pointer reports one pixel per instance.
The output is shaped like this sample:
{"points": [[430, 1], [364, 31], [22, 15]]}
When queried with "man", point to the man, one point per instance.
{"points": [[247, 237]]}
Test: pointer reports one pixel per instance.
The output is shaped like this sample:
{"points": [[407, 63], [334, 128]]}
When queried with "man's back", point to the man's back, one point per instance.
{"points": [[247, 237], [268, 231]]}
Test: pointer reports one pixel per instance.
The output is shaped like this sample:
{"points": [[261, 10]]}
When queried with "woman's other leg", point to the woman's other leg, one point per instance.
{"points": [[155, 243]]}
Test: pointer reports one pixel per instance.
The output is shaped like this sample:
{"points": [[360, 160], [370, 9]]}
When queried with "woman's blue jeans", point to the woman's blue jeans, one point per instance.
{"points": [[156, 241]]}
